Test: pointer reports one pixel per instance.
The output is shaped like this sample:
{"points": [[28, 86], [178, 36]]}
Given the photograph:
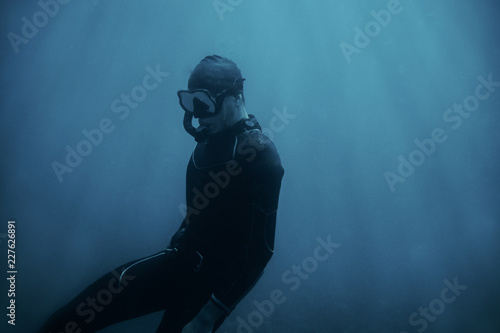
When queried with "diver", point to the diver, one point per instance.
{"points": [[226, 239]]}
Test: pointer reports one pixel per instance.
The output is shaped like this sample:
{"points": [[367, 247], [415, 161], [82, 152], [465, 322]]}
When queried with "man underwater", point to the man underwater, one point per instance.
{"points": [[233, 182]]}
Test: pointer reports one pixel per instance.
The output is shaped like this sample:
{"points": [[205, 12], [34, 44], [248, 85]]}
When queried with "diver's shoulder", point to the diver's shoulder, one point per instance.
{"points": [[256, 148], [256, 139]]}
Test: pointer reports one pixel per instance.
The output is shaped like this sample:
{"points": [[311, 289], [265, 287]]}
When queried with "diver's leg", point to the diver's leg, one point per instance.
{"points": [[196, 291], [174, 319], [138, 288]]}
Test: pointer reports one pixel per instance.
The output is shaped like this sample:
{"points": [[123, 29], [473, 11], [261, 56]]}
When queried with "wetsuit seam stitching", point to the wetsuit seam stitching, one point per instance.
{"points": [[138, 262]]}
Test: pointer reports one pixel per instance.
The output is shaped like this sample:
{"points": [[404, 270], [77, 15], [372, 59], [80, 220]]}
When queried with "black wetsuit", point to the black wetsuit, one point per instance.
{"points": [[225, 241]]}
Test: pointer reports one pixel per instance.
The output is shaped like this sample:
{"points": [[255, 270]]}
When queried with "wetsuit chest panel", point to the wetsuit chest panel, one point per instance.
{"points": [[213, 189], [212, 154]]}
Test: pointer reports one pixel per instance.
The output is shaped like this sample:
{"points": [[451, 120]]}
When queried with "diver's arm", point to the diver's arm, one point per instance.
{"points": [[264, 175], [205, 319], [259, 252]]}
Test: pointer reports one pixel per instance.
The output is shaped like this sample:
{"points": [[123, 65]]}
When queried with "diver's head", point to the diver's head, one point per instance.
{"points": [[214, 96]]}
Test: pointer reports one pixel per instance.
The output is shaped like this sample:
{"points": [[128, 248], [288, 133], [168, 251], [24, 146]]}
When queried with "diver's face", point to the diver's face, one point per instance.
{"points": [[222, 120]]}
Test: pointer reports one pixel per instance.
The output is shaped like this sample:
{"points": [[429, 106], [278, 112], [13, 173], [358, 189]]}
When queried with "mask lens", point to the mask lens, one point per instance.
{"points": [[198, 102]]}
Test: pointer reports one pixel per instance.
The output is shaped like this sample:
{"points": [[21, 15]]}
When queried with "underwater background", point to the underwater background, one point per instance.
{"points": [[386, 115]]}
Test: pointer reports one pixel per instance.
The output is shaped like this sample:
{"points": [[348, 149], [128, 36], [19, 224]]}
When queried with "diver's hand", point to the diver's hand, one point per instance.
{"points": [[205, 319], [195, 326]]}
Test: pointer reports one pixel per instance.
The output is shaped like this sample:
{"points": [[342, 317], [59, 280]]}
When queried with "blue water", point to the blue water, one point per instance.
{"points": [[385, 114]]}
